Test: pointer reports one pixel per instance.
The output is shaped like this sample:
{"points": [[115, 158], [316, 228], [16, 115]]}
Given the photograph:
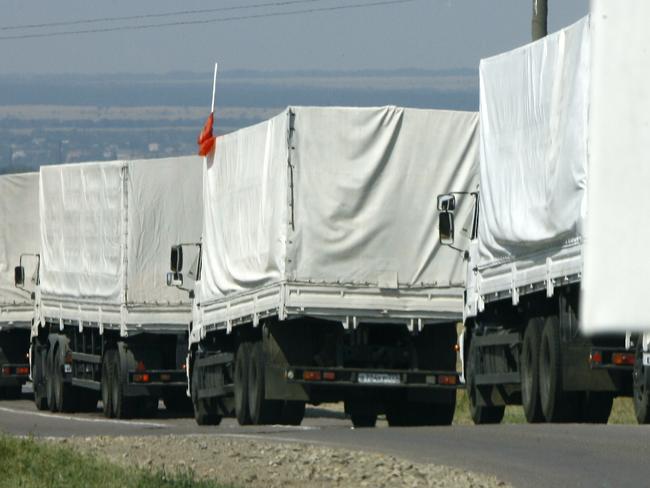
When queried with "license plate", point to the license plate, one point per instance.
{"points": [[646, 359], [379, 378]]}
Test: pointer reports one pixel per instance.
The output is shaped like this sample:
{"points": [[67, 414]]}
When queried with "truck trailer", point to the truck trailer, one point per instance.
{"points": [[522, 343], [616, 264], [106, 325], [19, 231], [321, 278]]}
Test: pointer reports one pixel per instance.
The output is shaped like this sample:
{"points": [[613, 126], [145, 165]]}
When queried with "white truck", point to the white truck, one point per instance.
{"points": [[616, 270], [19, 231], [321, 275], [522, 343], [105, 323]]}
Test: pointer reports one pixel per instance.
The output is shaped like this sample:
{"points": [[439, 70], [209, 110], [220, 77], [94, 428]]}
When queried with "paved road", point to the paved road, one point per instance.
{"points": [[524, 455]]}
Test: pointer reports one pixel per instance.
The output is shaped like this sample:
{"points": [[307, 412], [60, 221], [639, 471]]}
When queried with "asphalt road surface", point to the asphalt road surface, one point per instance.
{"points": [[524, 455]]}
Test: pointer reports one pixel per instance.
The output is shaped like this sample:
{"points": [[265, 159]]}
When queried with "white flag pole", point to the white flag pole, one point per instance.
{"points": [[214, 84]]}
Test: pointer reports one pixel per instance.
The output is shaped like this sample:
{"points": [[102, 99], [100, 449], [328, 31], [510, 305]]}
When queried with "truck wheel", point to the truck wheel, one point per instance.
{"points": [[65, 396], [481, 414], [554, 400], [38, 376], [362, 420], [49, 378], [261, 410], [123, 406], [596, 406], [204, 412], [107, 384], [530, 372], [293, 412], [641, 386], [241, 384]]}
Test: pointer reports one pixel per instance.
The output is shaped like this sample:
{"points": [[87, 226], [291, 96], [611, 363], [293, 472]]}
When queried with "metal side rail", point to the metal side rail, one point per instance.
{"points": [[348, 304]]}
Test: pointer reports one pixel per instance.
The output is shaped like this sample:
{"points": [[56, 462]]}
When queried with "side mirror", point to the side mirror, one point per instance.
{"points": [[446, 203], [446, 227], [177, 259], [19, 276], [174, 279]]}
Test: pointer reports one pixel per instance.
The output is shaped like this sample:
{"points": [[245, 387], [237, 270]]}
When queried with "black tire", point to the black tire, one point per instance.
{"points": [[481, 414], [557, 405], [123, 406], [49, 379], [107, 384], [363, 420], [65, 396], [293, 412], [596, 407], [242, 359], [205, 412], [530, 372], [39, 356], [641, 387], [261, 410]]}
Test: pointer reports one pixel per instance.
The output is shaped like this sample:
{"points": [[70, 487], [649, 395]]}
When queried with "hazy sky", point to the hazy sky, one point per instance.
{"points": [[429, 34]]}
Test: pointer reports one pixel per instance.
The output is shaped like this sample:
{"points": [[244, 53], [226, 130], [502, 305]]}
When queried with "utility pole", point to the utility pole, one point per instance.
{"points": [[540, 19]]}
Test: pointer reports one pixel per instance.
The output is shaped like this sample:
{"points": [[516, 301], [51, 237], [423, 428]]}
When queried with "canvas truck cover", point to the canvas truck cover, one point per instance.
{"points": [[106, 231], [336, 196], [533, 169], [19, 234], [616, 268]]}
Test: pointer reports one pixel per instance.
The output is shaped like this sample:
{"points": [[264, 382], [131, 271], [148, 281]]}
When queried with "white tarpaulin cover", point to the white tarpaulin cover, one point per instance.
{"points": [[19, 234], [107, 228], [336, 196], [616, 268], [534, 145]]}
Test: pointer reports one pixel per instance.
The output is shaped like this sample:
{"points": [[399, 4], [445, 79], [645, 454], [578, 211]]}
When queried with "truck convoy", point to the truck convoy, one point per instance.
{"points": [[320, 276], [522, 343], [104, 320], [19, 231]]}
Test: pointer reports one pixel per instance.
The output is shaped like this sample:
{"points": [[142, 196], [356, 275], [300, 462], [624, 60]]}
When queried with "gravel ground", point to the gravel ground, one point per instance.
{"points": [[263, 464]]}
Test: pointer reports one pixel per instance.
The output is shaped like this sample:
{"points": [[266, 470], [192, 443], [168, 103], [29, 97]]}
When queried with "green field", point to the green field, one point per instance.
{"points": [[27, 463]]}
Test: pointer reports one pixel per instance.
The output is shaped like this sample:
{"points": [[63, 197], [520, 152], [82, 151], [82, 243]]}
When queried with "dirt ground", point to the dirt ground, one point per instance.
{"points": [[264, 464]]}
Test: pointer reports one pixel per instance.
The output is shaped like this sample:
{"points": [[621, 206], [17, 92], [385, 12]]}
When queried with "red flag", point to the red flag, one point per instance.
{"points": [[206, 140]]}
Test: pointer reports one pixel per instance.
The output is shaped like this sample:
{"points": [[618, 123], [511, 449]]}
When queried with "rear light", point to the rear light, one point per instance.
{"points": [[165, 377], [140, 366], [446, 379], [6, 371], [68, 358], [456, 347], [141, 378], [22, 371], [623, 359], [596, 357], [329, 375], [183, 366], [311, 375]]}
